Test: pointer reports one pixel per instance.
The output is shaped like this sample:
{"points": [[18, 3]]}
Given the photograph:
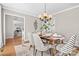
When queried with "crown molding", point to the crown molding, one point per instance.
{"points": [[28, 13], [67, 9]]}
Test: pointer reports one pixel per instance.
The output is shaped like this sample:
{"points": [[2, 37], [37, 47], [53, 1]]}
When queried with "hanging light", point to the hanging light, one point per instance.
{"points": [[45, 16]]}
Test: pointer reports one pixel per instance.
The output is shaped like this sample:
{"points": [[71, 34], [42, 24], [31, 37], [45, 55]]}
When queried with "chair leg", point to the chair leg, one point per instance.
{"points": [[50, 51], [35, 52], [41, 53]]}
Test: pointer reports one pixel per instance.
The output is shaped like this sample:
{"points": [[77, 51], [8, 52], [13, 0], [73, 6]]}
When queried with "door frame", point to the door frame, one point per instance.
{"points": [[7, 13], [1, 28]]}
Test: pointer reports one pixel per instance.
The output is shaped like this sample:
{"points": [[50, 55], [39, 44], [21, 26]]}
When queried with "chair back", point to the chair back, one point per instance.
{"points": [[38, 43], [70, 45]]}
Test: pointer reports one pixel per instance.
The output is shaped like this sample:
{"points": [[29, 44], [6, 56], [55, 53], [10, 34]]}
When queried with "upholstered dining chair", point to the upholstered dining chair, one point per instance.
{"points": [[29, 37], [67, 48], [31, 41], [39, 46]]}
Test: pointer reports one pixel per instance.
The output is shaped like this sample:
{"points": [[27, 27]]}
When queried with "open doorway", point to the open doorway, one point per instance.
{"points": [[14, 29], [18, 27]]}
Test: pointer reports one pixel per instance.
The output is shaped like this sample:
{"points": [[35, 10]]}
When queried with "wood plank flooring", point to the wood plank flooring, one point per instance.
{"points": [[9, 47]]}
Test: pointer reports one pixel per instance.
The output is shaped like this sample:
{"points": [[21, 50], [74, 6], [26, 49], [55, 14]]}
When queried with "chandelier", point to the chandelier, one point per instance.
{"points": [[45, 16]]}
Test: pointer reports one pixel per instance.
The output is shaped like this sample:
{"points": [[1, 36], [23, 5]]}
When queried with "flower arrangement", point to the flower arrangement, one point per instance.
{"points": [[46, 27]]}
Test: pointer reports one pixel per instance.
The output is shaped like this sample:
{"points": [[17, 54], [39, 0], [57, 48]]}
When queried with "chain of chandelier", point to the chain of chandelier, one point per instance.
{"points": [[45, 16]]}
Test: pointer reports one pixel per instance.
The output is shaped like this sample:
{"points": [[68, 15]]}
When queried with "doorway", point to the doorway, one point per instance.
{"points": [[14, 28]]}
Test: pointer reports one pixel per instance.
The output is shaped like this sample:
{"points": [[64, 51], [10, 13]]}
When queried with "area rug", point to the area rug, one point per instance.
{"points": [[23, 50]]}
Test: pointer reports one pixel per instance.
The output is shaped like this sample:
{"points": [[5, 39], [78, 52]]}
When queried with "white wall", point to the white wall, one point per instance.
{"points": [[29, 24], [9, 26], [67, 22], [0, 28]]}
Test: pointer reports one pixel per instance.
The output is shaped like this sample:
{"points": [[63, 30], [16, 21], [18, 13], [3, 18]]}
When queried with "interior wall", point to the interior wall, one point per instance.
{"points": [[29, 24], [1, 43], [9, 26], [67, 22]]}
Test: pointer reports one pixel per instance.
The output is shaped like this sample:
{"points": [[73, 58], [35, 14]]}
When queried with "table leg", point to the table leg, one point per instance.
{"points": [[52, 50]]}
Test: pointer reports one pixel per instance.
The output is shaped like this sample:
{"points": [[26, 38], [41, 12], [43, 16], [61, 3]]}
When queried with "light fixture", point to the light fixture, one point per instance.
{"points": [[45, 16]]}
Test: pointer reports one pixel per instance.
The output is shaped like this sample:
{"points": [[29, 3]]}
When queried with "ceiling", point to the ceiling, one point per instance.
{"points": [[34, 9]]}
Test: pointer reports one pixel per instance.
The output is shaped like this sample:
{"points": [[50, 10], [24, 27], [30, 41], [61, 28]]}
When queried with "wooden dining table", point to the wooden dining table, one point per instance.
{"points": [[53, 41]]}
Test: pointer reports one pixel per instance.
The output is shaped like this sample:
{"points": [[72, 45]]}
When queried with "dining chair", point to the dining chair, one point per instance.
{"points": [[67, 48], [31, 41], [39, 46], [29, 37]]}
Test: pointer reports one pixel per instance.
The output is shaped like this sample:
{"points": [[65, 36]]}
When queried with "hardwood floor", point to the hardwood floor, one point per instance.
{"points": [[8, 49]]}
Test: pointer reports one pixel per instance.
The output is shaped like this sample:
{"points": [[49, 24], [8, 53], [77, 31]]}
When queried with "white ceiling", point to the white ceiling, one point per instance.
{"points": [[35, 9]]}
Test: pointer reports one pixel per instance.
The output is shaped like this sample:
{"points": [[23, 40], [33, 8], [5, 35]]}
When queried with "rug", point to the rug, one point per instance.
{"points": [[23, 50]]}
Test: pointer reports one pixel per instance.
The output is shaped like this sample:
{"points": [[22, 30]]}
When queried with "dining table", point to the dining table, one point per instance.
{"points": [[53, 40]]}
